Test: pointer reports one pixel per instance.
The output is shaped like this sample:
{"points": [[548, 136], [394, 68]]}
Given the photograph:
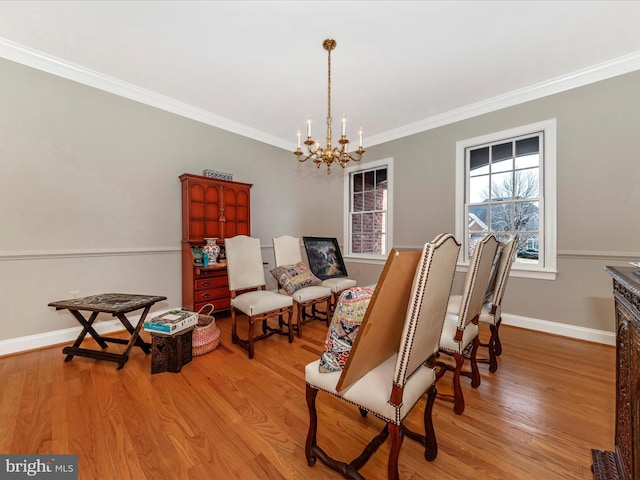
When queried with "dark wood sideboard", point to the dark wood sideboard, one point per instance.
{"points": [[624, 461]]}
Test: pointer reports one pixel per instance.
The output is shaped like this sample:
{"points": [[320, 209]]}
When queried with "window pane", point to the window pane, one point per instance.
{"points": [[479, 160], [502, 186], [502, 165], [378, 222], [478, 218], [356, 243], [356, 223], [478, 189], [527, 146], [369, 180], [381, 199], [381, 178], [502, 151], [528, 161], [502, 217], [527, 183], [367, 222], [358, 202], [528, 251], [369, 200], [526, 216], [357, 182]]}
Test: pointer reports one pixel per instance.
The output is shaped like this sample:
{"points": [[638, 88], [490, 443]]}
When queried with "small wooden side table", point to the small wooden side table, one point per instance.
{"points": [[116, 304], [169, 353]]}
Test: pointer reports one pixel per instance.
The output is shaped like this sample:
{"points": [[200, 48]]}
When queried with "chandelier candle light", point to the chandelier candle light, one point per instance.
{"points": [[329, 154]]}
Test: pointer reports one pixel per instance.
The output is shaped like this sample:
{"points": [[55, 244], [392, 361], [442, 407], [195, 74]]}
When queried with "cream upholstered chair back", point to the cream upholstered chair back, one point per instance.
{"points": [[504, 268], [425, 316], [477, 280], [244, 262], [286, 250]]}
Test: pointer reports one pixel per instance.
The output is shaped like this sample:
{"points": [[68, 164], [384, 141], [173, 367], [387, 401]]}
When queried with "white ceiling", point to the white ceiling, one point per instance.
{"points": [[258, 67]]}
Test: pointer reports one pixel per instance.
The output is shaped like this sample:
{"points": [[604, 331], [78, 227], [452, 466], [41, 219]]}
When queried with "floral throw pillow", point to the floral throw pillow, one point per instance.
{"points": [[344, 327], [294, 277]]}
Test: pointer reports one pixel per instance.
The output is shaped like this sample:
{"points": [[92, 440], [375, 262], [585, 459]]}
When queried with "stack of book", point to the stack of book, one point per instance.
{"points": [[171, 322]]}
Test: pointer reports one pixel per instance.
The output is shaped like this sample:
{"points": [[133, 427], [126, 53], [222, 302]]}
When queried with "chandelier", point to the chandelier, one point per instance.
{"points": [[329, 154]]}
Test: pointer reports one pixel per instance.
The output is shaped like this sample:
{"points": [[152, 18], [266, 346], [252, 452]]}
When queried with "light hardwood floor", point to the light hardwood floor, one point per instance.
{"points": [[227, 417]]}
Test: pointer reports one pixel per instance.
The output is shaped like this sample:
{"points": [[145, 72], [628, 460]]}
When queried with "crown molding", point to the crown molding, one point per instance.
{"points": [[61, 68], [602, 71], [56, 66]]}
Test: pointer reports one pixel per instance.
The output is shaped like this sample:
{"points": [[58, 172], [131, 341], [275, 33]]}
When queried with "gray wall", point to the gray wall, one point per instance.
{"points": [[598, 179], [91, 199]]}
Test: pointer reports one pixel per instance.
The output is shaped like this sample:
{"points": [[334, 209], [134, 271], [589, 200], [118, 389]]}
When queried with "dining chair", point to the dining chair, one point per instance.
{"points": [[295, 279], [491, 312], [392, 361], [249, 295], [460, 330]]}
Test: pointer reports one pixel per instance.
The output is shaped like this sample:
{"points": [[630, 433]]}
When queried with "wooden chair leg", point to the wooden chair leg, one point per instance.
{"points": [[250, 342], [397, 436], [299, 318], [498, 344], [234, 331], [312, 393], [290, 325], [475, 371], [431, 444], [493, 357], [458, 399]]}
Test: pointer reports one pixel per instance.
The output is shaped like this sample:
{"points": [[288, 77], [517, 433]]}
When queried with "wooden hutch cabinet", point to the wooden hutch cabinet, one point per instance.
{"points": [[211, 208]]}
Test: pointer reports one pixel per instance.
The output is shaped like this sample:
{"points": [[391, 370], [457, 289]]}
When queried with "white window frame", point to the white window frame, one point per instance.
{"points": [[547, 267], [388, 163]]}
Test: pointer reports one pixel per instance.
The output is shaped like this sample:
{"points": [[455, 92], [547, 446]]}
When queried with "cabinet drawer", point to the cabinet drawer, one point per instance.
{"points": [[211, 294], [213, 282], [204, 273]]}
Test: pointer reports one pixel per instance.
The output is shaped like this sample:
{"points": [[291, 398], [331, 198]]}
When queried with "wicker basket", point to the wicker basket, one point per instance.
{"points": [[206, 336]]}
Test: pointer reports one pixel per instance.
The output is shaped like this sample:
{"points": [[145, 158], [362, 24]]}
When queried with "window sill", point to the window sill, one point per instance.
{"points": [[371, 259]]}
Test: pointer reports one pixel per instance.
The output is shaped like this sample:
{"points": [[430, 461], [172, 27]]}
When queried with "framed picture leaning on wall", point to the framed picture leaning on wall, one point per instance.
{"points": [[325, 258]]}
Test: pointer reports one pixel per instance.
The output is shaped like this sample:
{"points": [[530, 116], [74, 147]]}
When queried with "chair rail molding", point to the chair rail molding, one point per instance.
{"points": [[84, 253]]}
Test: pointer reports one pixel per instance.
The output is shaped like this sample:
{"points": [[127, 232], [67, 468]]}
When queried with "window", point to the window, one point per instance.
{"points": [[505, 185], [368, 197]]}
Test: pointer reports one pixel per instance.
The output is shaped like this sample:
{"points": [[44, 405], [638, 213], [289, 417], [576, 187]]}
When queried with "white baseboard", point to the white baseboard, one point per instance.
{"points": [[561, 329], [66, 335], [41, 340]]}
